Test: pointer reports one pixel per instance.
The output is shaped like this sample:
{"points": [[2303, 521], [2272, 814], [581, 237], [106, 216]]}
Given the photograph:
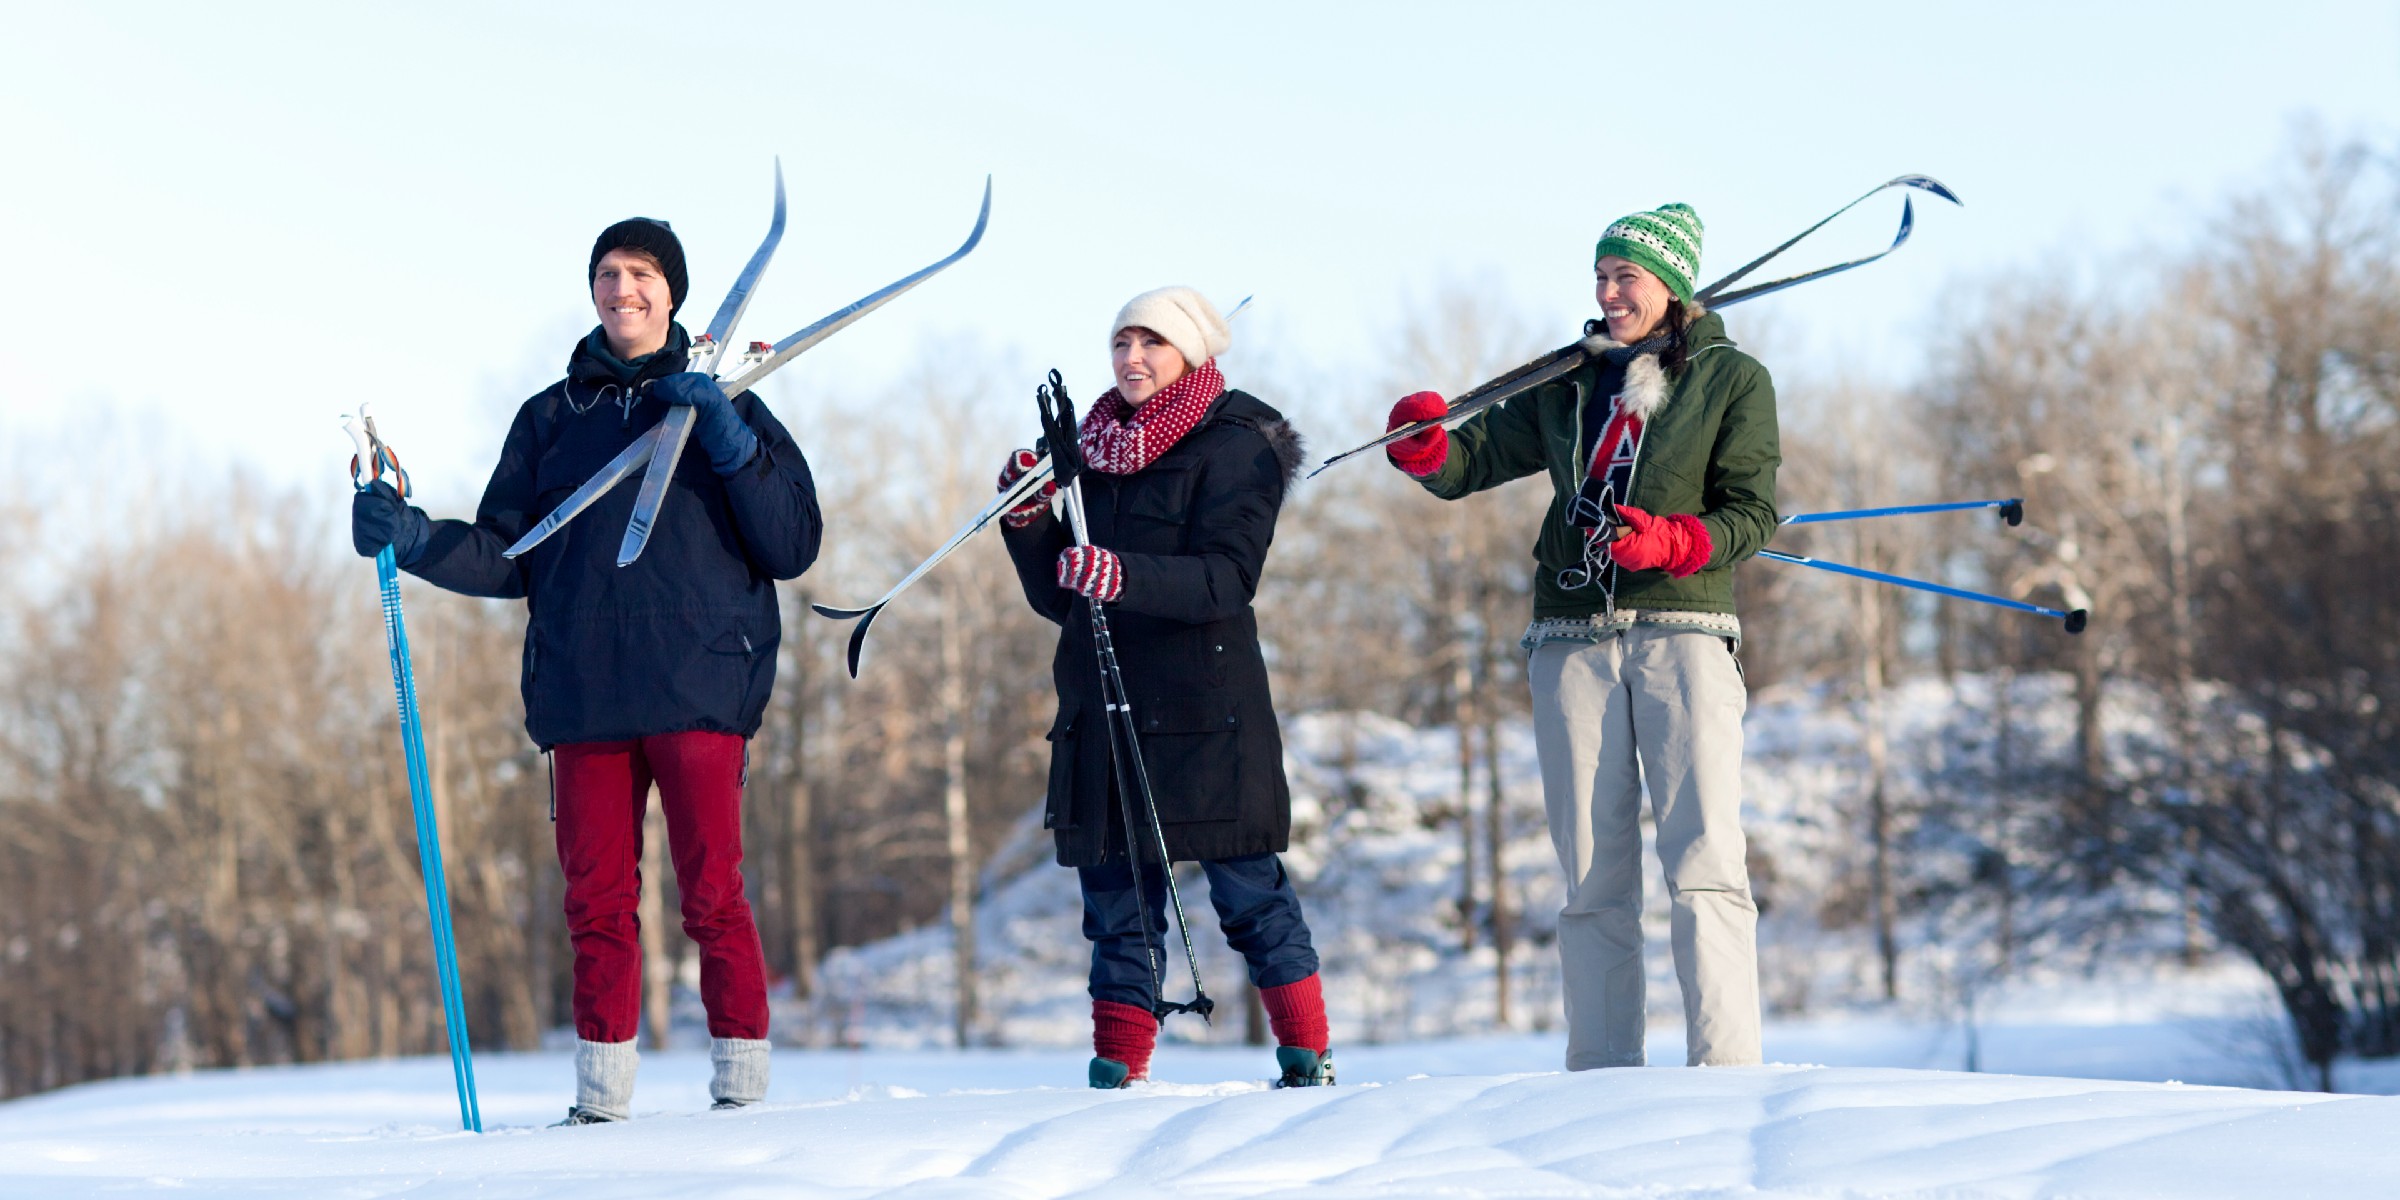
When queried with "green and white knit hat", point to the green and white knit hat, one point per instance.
{"points": [[1664, 242]]}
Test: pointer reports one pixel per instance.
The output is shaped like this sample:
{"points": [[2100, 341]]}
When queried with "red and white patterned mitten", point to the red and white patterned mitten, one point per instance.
{"points": [[1034, 506], [1092, 571]]}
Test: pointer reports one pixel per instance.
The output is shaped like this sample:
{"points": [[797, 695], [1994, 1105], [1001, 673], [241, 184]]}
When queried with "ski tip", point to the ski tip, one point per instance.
{"points": [[839, 614], [2013, 512], [2077, 619], [983, 218], [858, 639], [1927, 183]]}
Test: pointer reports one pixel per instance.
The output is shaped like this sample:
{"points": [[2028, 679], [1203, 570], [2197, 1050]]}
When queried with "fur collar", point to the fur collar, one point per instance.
{"points": [[1237, 407], [1645, 387], [1290, 448], [1646, 390]]}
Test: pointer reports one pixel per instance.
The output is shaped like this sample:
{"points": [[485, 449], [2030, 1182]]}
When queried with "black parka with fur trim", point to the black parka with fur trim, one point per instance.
{"points": [[1192, 530]]}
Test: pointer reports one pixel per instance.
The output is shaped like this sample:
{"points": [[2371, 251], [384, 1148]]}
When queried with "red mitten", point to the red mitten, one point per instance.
{"points": [[1419, 454], [1092, 571], [1677, 544], [1033, 506]]}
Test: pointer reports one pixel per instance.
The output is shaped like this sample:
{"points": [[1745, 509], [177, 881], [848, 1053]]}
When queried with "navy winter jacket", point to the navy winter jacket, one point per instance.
{"points": [[684, 638]]}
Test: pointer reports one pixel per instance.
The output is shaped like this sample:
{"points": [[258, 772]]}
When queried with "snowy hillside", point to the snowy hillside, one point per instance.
{"points": [[1377, 851]]}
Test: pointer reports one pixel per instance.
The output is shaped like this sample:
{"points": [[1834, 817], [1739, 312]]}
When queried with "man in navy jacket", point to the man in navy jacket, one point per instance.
{"points": [[654, 672]]}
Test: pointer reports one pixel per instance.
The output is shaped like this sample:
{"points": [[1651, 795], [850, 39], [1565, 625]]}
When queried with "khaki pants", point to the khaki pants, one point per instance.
{"points": [[1665, 705]]}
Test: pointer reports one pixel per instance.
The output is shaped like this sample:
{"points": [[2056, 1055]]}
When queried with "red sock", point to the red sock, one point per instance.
{"points": [[1125, 1033], [1296, 1012]]}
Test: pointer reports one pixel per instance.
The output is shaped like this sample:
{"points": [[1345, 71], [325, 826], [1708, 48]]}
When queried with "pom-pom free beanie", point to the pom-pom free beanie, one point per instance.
{"points": [[651, 237], [1664, 241], [1182, 316]]}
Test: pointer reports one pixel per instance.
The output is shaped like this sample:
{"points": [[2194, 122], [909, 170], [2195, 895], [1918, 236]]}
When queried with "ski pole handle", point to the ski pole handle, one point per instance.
{"points": [[362, 464]]}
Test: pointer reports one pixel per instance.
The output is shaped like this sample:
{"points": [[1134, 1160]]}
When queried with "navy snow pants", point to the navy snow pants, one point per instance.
{"points": [[1256, 907]]}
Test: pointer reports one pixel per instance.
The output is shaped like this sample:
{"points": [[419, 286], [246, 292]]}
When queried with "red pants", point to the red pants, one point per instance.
{"points": [[602, 790]]}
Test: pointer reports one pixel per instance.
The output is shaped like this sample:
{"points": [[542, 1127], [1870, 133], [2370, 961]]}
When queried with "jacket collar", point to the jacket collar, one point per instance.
{"points": [[593, 365], [1647, 388]]}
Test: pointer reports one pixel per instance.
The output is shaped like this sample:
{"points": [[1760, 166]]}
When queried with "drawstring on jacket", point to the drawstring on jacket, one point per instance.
{"points": [[627, 397]]}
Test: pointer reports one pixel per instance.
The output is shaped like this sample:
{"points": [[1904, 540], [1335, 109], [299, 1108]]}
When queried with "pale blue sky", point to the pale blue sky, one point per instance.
{"points": [[245, 218]]}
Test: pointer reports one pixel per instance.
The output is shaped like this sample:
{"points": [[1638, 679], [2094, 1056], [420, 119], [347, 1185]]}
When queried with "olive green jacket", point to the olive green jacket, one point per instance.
{"points": [[1709, 448]]}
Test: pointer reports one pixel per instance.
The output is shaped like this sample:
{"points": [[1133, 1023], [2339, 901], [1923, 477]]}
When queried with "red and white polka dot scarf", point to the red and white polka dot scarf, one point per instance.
{"points": [[1120, 439]]}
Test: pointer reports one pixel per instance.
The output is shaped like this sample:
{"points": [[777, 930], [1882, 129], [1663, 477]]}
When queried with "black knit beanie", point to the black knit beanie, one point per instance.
{"points": [[652, 237]]}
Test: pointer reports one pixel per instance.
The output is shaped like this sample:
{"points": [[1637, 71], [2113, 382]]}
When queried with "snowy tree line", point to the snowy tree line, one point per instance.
{"points": [[207, 860]]}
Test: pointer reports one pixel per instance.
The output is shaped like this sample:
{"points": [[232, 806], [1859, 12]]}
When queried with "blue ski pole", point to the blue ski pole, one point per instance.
{"points": [[2011, 511], [374, 459], [2075, 618]]}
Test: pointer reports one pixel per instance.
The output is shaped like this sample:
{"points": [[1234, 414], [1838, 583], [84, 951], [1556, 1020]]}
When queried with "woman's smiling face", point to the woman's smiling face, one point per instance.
{"points": [[1144, 362], [1632, 299]]}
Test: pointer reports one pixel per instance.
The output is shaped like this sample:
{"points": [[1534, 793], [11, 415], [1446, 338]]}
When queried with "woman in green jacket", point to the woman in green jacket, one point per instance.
{"points": [[1661, 455]]}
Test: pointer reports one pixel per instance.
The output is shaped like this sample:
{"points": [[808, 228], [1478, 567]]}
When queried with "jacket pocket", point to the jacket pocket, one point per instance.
{"points": [[1192, 746], [1058, 804], [1160, 494], [735, 646]]}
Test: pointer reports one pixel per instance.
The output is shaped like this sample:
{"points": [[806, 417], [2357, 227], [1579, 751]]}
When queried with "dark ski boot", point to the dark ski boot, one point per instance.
{"points": [[578, 1115], [1109, 1073], [725, 1106], [1304, 1067]]}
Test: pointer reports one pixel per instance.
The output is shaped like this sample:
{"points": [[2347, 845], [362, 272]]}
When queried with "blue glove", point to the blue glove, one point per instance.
{"points": [[379, 518], [721, 431]]}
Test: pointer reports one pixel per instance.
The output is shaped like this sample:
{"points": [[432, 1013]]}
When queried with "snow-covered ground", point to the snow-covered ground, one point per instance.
{"points": [[2062, 1070], [1467, 1117]]}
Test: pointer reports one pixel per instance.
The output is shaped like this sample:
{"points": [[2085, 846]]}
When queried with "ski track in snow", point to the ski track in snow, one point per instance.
{"points": [[859, 1124]]}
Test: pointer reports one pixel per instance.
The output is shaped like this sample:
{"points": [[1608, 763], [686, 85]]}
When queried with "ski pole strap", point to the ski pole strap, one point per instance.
{"points": [[1199, 1005]]}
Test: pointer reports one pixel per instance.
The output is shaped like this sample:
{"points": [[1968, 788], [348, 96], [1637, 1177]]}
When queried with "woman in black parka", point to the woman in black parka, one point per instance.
{"points": [[1184, 480]]}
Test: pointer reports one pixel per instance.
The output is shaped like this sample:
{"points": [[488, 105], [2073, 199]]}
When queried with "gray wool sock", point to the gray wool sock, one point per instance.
{"points": [[741, 1069], [604, 1078]]}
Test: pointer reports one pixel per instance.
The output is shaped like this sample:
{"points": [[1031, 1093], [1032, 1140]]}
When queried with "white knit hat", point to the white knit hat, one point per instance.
{"points": [[1182, 316]]}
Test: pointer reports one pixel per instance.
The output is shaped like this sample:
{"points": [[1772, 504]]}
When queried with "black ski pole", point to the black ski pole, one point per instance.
{"points": [[1124, 737]]}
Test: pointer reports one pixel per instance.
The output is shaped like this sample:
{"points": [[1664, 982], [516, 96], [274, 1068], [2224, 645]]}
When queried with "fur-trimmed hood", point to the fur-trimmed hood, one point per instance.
{"points": [[1248, 411]]}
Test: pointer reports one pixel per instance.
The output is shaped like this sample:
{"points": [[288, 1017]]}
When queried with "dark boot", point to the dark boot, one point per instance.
{"points": [[1109, 1073], [1303, 1067], [579, 1115]]}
